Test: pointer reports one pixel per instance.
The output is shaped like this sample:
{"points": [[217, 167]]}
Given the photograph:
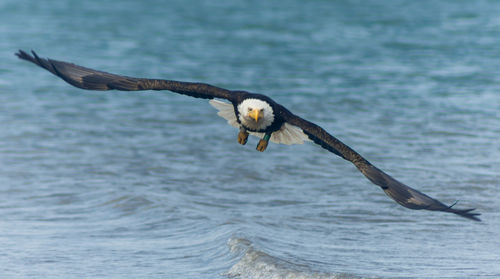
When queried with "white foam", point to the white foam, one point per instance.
{"points": [[255, 264]]}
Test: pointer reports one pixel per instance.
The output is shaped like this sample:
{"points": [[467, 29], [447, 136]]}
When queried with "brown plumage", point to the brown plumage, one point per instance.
{"points": [[90, 79]]}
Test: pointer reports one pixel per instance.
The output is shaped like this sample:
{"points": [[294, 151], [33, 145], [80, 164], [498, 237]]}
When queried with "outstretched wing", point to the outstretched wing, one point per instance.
{"points": [[90, 79], [402, 194]]}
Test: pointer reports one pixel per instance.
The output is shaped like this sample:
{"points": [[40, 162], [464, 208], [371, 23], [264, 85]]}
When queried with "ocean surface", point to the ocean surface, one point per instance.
{"points": [[154, 184]]}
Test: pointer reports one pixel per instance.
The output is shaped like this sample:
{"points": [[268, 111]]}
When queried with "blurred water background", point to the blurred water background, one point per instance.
{"points": [[155, 185]]}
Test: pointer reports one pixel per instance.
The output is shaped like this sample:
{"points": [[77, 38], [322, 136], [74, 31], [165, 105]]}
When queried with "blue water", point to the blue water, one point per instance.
{"points": [[155, 185]]}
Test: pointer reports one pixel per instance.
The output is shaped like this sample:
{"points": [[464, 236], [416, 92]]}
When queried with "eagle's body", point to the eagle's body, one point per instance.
{"points": [[254, 114], [279, 130]]}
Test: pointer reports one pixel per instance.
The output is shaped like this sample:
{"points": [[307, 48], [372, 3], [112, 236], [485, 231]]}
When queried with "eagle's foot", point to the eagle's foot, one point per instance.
{"points": [[262, 145], [242, 137]]}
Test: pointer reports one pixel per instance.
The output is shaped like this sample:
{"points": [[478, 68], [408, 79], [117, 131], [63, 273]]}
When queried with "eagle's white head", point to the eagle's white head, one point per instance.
{"points": [[255, 114]]}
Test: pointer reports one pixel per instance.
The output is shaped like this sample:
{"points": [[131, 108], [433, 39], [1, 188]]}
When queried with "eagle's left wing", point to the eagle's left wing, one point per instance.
{"points": [[402, 194]]}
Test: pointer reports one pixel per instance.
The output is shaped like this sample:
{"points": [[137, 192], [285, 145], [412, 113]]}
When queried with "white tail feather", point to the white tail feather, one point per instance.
{"points": [[288, 134], [226, 111]]}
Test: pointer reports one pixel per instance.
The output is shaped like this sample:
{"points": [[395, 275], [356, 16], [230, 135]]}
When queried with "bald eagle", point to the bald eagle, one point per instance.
{"points": [[253, 114]]}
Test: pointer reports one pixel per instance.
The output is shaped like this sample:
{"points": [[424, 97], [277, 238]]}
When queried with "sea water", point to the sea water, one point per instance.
{"points": [[155, 185]]}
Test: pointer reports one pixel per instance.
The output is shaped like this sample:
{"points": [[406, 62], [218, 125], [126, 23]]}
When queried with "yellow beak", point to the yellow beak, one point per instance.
{"points": [[255, 114]]}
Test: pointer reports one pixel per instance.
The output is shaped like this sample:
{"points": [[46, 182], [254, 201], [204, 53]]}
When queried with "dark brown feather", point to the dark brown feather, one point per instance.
{"points": [[91, 79], [401, 193]]}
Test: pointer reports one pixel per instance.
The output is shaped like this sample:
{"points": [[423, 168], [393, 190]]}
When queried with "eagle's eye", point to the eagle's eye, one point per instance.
{"points": [[250, 109]]}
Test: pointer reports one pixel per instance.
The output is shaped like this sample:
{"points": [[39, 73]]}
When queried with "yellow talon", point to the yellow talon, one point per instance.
{"points": [[242, 137], [262, 145]]}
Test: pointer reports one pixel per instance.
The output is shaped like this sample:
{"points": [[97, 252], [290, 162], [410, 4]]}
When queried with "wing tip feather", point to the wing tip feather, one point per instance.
{"points": [[466, 213]]}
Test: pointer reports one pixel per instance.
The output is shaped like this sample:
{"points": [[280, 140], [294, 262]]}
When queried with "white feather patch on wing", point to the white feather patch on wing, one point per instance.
{"points": [[288, 134], [226, 111]]}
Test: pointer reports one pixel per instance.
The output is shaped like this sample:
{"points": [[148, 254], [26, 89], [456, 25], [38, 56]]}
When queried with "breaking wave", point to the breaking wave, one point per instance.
{"points": [[256, 264]]}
